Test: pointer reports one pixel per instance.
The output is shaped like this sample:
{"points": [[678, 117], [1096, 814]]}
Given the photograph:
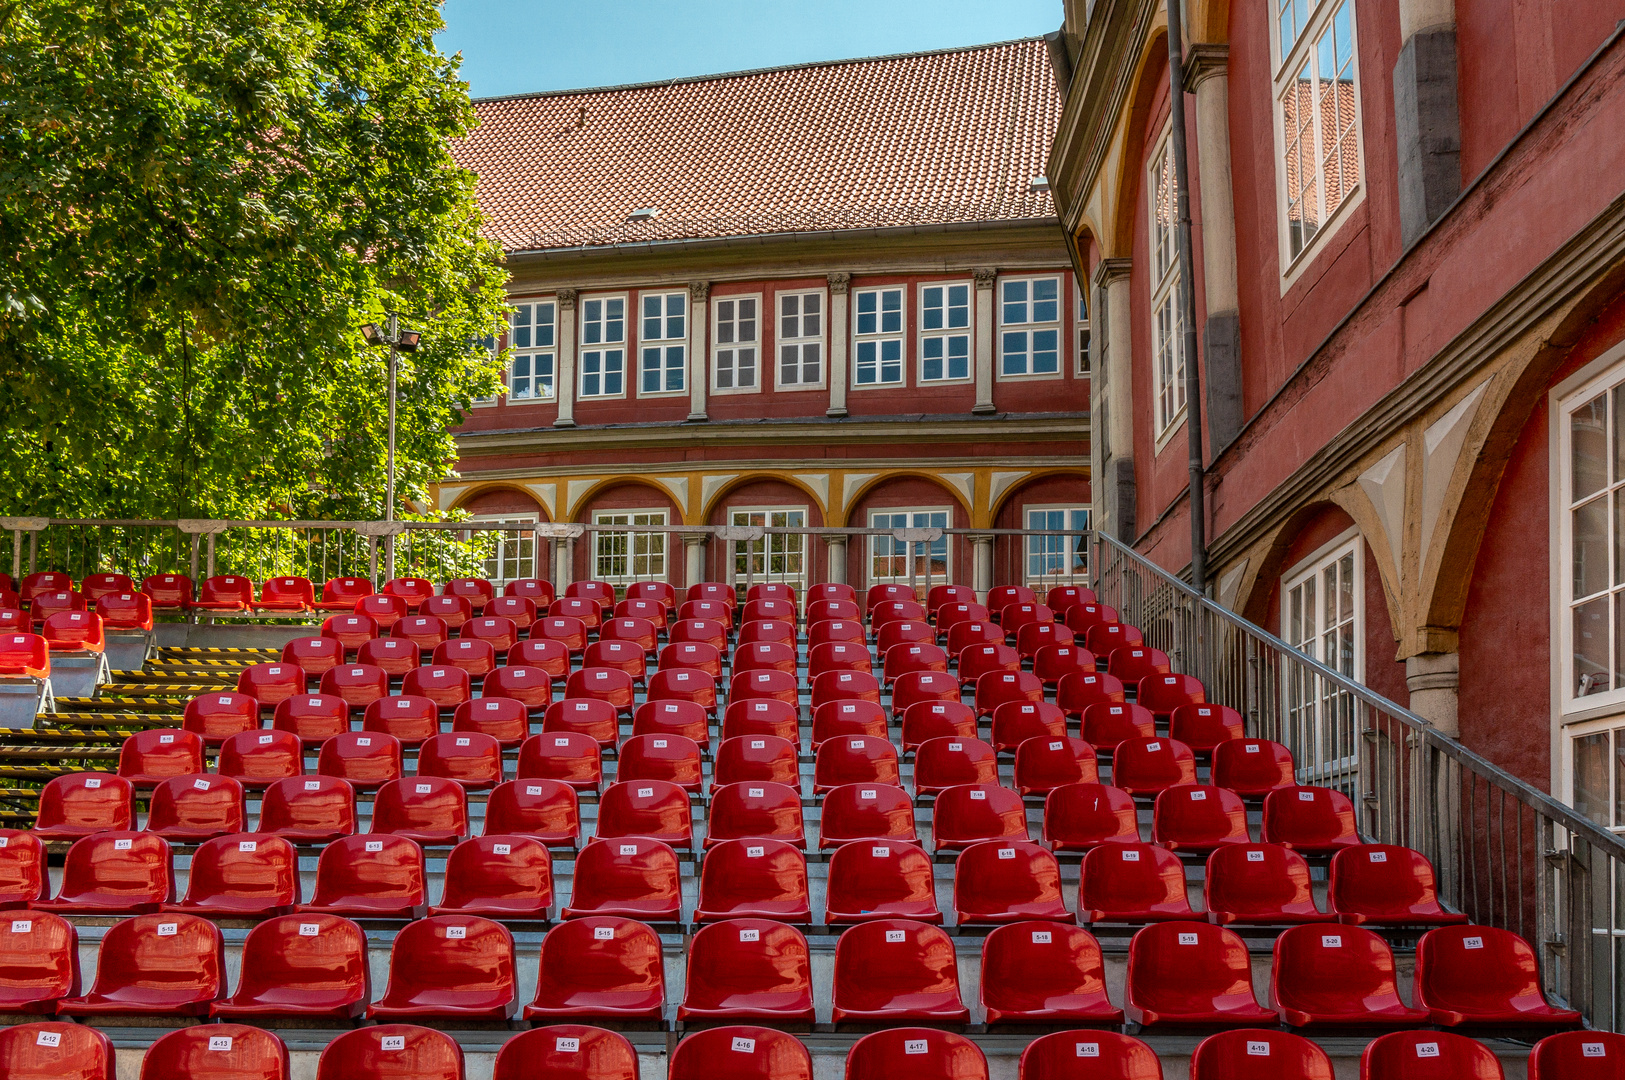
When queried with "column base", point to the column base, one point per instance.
{"points": [[836, 413], [697, 417], [564, 421], [984, 408]]}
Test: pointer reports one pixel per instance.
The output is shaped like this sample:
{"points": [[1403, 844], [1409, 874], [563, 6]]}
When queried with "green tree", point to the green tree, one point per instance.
{"points": [[200, 201]]}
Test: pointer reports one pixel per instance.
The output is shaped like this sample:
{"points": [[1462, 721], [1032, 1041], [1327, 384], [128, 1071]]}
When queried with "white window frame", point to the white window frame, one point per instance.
{"points": [[1168, 405], [1317, 19], [608, 348], [669, 351], [491, 349], [1318, 724], [880, 337], [753, 344], [1030, 328], [535, 351], [1082, 359], [517, 550], [656, 545], [801, 340], [1069, 542], [789, 549], [919, 517], [945, 333]]}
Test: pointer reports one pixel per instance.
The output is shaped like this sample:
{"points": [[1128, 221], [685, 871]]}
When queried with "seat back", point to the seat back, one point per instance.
{"points": [[600, 965], [410, 718], [1582, 1055], [287, 594], [452, 964], [762, 716], [595, 718], [624, 656], [1259, 1054], [610, 685], [819, 610], [1252, 767], [1199, 817], [125, 610], [1204, 727], [880, 880], [674, 758], [1015, 722], [366, 759], [754, 965], [1132, 883], [171, 960], [855, 759], [1044, 764], [520, 611], [414, 590], [471, 758], [391, 1052], [684, 684], [1046, 971], [429, 809], [423, 631], [1080, 816], [965, 633], [196, 807], [1117, 1057], [216, 1052], [447, 687], [866, 812], [258, 758], [570, 757], [1150, 766], [755, 809], [308, 808], [1480, 973], [634, 625], [1077, 691], [694, 655], [924, 720], [351, 631], [227, 590], [168, 590], [753, 878], [243, 873], [1186, 970], [23, 875], [498, 631], [155, 754], [832, 630], [1164, 694], [313, 962], [1003, 881], [570, 1052], [504, 719], [1259, 883], [737, 1053], [673, 717], [764, 656], [453, 610], [755, 757], [531, 686], [380, 874], [844, 686], [1385, 883], [39, 963], [74, 631], [967, 813], [81, 803], [315, 655], [1428, 1055], [96, 586], [217, 717], [761, 610], [842, 717], [345, 590], [998, 687], [974, 661], [499, 875], [653, 808], [918, 686], [536, 589], [1131, 663], [310, 718], [544, 809], [267, 684], [1312, 820], [838, 656], [948, 761], [55, 1050], [904, 632], [630, 875], [1336, 974], [896, 966]]}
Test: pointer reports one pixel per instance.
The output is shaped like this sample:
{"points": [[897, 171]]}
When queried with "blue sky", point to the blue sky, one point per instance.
{"points": [[516, 46]]}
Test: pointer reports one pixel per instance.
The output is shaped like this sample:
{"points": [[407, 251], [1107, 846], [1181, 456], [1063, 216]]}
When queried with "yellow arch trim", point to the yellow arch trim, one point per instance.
{"points": [[752, 477], [868, 486]]}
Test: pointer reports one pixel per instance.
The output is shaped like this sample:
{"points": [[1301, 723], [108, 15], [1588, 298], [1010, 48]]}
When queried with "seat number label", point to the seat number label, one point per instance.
{"points": [[1042, 937], [750, 935], [1472, 943], [1007, 853], [375, 845], [915, 1046], [168, 929], [22, 926], [567, 1046], [978, 794], [502, 849], [1427, 1050], [1088, 1049], [603, 933], [393, 1042], [744, 1046], [755, 852], [1255, 856], [49, 1038], [310, 929], [456, 933], [1258, 1049], [1331, 941], [895, 936], [1187, 939], [220, 1042]]}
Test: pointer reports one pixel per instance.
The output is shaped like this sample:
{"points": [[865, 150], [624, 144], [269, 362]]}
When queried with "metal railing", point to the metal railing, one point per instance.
{"points": [[1506, 854]]}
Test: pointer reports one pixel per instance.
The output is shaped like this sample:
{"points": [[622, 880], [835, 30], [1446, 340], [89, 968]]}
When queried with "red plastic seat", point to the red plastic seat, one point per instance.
{"points": [[685, 718], [155, 965], [150, 757], [755, 757], [1151, 766], [781, 631], [359, 684], [600, 592], [609, 685], [737, 1053], [1191, 973], [414, 590], [470, 758], [841, 718], [1017, 617], [654, 809], [866, 812], [1132, 883], [569, 1052], [660, 591], [1063, 597], [672, 758], [391, 1052], [755, 810], [74, 632], [447, 687], [1045, 973], [171, 591], [1199, 818], [595, 718], [1259, 1054], [568, 630], [125, 611], [1131, 663], [1052, 663], [504, 719], [854, 759], [409, 718], [384, 610], [600, 967], [890, 611], [1015, 722], [1166, 694], [908, 656], [519, 611], [1001, 596], [39, 965], [1103, 638], [969, 633], [217, 717], [948, 594], [1080, 617], [762, 716], [820, 610], [997, 688], [879, 594], [96, 586], [216, 1052], [1260, 883], [1385, 885], [767, 685], [225, 592], [351, 631], [343, 593], [366, 759], [845, 686], [974, 661], [946, 762], [695, 655], [904, 632], [315, 656], [585, 610], [1338, 977], [1044, 764], [767, 609], [424, 631], [196, 807], [1033, 638], [1579, 1055], [1111, 1056], [917, 686], [969, 813], [891, 970], [308, 810], [947, 616], [684, 684], [831, 590], [1204, 727], [1002, 881], [538, 590], [771, 590], [717, 611], [498, 631], [754, 879], [475, 656], [1483, 976], [544, 810], [836, 631], [241, 875], [453, 966], [12, 620], [880, 880], [1428, 1055], [479, 592], [571, 757], [925, 1053], [55, 1051], [80, 804], [748, 969], [310, 718], [46, 604], [764, 656], [1312, 820], [926, 720], [428, 809], [624, 656], [629, 877], [630, 628], [267, 684], [1252, 768], [372, 876], [1080, 690], [454, 611], [23, 875], [293, 594], [1078, 817], [532, 687]]}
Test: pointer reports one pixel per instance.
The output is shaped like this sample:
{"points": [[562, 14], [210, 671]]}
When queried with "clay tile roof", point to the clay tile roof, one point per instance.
{"points": [[925, 138]]}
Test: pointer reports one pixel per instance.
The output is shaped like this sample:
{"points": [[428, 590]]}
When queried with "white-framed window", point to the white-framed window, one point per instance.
{"points": [[1030, 326], [489, 344], [623, 554], [1057, 559], [1317, 118], [889, 557], [1167, 322], [945, 331], [801, 340], [603, 347], [532, 351], [776, 556], [1080, 322], [1323, 615], [877, 332], [510, 551], [737, 337], [1591, 544], [663, 342]]}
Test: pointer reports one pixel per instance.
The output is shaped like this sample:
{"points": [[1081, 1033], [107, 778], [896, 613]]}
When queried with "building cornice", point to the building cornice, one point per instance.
{"points": [[748, 465], [1202, 62]]}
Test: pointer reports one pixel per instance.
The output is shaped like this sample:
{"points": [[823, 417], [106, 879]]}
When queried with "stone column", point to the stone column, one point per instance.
{"points": [[835, 554], [1113, 388], [1206, 76], [564, 382], [699, 312], [840, 333], [564, 553], [1427, 119], [1433, 679], [694, 556], [985, 308], [981, 564]]}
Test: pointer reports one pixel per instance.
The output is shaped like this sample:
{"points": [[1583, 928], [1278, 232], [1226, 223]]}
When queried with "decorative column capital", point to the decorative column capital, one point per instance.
{"points": [[695, 539], [984, 276], [1111, 271], [698, 291], [1203, 62], [979, 539], [833, 539], [839, 282], [566, 299]]}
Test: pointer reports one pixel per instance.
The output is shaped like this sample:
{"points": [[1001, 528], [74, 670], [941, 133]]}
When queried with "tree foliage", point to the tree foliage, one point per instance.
{"points": [[200, 202]]}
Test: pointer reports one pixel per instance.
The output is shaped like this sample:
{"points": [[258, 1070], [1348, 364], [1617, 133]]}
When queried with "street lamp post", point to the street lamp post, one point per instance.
{"points": [[398, 340]]}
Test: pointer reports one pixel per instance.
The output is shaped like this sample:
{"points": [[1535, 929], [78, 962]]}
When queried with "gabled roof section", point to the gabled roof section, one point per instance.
{"points": [[919, 139]]}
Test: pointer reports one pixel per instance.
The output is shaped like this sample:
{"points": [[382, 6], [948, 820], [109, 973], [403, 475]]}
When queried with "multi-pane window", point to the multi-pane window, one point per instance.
{"points": [[737, 340], [662, 337], [510, 550], [531, 352], [776, 556], [878, 332], [1030, 326], [1316, 93], [603, 347], [623, 553], [1062, 554], [1167, 323], [945, 331], [890, 558], [1081, 321], [1594, 531], [1322, 615], [801, 339]]}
